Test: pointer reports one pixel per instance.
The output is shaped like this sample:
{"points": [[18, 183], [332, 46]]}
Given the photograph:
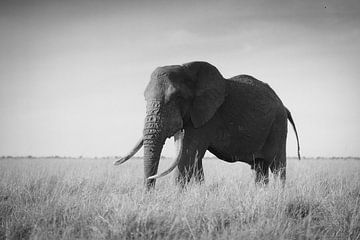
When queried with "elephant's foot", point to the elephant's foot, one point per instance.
{"points": [[280, 173], [278, 168], [262, 171]]}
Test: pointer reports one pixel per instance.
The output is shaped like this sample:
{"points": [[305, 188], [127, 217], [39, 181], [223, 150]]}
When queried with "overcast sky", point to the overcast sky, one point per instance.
{"points": [[72, 73]]}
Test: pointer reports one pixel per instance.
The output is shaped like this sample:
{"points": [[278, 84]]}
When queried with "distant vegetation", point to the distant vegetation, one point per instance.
{"points": [[89, 199]]}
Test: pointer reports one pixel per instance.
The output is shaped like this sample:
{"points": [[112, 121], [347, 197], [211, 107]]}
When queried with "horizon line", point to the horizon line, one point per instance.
{"points": [[162, 156]]}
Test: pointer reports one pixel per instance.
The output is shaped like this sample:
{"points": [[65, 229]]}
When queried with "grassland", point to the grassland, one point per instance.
{"points": [[91, 199]]}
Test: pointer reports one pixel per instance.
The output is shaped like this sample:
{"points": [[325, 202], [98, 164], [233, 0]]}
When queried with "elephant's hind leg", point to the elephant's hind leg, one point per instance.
{"points": [[261, 168], [278, 165], [275, 148], [279, 170]]}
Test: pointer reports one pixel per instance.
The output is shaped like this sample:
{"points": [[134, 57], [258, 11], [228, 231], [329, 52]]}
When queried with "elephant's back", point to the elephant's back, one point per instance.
{"points": [[250, 83], [247, 79], [251, 91]]}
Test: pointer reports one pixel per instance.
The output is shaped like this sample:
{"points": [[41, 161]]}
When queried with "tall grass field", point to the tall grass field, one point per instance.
{"points": [[54, 198]]}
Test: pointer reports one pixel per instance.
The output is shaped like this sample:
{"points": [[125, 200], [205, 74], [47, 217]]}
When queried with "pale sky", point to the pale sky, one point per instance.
{"points": [[73, 72]]}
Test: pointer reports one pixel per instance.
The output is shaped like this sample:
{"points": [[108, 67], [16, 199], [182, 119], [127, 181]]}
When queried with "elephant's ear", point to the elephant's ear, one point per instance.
{"points": [[210, 91]]}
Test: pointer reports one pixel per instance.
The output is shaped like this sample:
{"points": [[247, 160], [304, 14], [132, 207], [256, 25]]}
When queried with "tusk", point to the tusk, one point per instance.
{"points": [[131, 153], [179, 138]]}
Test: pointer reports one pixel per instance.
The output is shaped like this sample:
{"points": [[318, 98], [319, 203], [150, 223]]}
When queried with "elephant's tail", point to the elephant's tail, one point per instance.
{"points": [[293, 124]]}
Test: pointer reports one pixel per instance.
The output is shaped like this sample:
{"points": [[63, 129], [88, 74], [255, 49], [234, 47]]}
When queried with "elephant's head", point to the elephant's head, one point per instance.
{"points": [[177, 96]]}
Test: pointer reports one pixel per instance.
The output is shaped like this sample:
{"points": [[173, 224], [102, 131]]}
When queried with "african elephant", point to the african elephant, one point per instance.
{"points": [[236, 119]]}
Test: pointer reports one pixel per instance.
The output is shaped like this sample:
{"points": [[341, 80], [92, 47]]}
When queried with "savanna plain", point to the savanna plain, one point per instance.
{"points": [[57, 198]]}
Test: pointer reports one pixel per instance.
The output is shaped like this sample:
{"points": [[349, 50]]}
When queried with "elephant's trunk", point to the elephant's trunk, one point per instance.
{"points": [[179, 140], [154, 139]]}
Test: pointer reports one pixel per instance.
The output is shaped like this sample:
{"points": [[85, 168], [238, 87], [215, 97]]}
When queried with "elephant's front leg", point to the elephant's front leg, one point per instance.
{"points": [[190, 171], [190, 166]]}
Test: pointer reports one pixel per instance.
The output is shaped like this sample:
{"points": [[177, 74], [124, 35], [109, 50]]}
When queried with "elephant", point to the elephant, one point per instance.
{"points": [[237, 119]]}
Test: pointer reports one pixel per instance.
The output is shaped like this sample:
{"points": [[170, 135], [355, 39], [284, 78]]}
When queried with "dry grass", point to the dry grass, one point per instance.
{"points": [[91, 199]]}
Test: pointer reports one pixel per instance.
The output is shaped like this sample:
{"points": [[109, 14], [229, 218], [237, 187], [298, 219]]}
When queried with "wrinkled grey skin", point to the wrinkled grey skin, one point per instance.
{"points": [[237, 119]]}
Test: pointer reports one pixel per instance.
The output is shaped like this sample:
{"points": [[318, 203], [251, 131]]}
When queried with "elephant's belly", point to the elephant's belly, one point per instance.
{"points": [[240, 142], [243, 149]]}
